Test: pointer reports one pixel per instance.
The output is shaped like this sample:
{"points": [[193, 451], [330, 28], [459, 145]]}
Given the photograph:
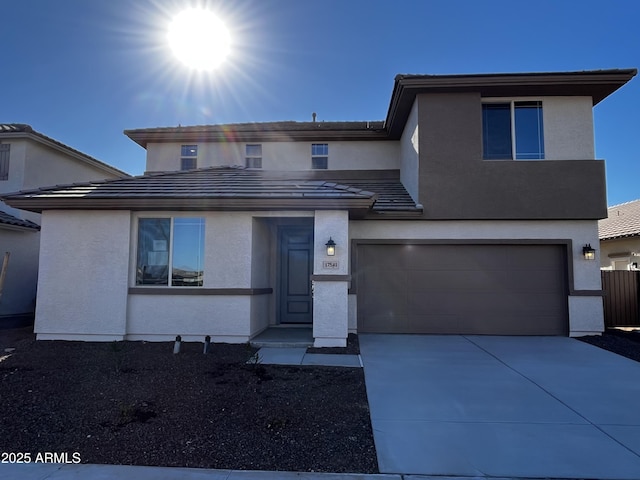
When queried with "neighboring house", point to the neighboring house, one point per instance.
{"points": [[28, 160], [465, 211], [620, 237]]}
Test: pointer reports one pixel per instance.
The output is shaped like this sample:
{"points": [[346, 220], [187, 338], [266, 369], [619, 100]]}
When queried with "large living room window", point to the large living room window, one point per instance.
{"points": [[170, 252], [512, 130]]}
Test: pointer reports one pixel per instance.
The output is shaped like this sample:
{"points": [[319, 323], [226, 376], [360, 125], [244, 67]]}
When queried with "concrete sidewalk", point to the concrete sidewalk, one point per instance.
{"points": [[126, 472], [523, 407]]}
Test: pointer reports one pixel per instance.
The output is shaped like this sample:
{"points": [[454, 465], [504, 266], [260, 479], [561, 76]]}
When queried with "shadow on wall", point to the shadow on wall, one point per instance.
{"points": [[16, 321]]}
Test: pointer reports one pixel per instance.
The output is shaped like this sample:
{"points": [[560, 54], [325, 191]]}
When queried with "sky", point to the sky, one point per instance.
{"points": [[82, 71]]}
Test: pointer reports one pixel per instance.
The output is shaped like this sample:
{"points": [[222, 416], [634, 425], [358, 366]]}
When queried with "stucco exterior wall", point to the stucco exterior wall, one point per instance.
{"points": [[33, 165], [17, 155], [619, 253], [46, 166], [19, 291], [239, 254], [262, 240], [343, 155], [457, 184], [568, 128], [82, 284], [409, 154], [330, 285], [586, 274], [162, 317], [331, 224]]}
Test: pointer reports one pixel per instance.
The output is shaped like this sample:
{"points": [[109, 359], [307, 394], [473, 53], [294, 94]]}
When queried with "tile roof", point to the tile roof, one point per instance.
{"points": [[6, 219], [622, 221], [223, 188], [10, 129]]}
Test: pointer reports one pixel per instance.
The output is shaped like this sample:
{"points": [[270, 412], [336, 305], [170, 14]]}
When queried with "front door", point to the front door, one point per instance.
{"points": [[296, 266]]}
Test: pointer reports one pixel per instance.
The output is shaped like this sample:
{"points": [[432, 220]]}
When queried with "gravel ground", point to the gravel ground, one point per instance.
{"points": [[625, 343], [138, 403]]}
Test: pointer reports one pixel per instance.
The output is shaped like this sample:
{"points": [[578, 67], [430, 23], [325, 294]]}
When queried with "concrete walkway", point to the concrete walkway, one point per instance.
{"points": [[479, 406], [299, 356]]}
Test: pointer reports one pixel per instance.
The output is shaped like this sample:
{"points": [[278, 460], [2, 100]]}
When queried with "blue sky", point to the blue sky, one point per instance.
{"points": [[82, 71]]}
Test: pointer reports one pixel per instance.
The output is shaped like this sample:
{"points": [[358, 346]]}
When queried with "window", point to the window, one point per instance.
{"points": [[319, 156], [170, 248], [253, 156], [189, 157], [4, 160], [512, 130]]}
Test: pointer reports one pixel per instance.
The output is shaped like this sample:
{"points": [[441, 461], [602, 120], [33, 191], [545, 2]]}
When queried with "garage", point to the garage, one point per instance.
{"points": [[492, 289]]}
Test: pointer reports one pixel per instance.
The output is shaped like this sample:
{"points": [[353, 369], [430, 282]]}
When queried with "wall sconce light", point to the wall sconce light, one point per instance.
{"points": [[331, 247], [589, 252]]}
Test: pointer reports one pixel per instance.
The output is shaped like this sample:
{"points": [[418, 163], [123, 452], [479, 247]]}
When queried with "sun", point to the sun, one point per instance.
{"points": [[199, 39]]}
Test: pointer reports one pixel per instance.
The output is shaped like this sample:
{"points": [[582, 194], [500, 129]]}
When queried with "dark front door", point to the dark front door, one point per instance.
{"points": [[296, 266]]}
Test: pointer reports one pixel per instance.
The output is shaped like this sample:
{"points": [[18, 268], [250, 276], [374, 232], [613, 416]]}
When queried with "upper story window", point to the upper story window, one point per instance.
{"points": [[4, 160], [170, 252], [253, 156], [512, 130], [320, 156], [188, 157]]}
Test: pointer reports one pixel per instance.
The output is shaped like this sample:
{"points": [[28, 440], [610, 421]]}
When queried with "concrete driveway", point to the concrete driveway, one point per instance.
{"points": [[502, 406]]}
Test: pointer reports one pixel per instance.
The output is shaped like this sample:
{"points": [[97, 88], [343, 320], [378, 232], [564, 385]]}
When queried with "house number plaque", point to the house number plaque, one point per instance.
{"points": [[330, 264]]}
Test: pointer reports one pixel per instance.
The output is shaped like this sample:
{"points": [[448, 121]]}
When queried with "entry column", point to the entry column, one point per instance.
{"points": [[331, 279]]}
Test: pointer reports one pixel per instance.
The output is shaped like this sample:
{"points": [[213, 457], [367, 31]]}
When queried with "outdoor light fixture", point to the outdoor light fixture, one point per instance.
{"points": [[331, 247], [589, 252]]}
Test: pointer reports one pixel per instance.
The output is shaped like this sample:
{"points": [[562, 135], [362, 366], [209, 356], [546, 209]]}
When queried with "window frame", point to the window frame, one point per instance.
{"points": [[322, 156], [171, 246], [188, 157], [5, 161], [252, 161], [513, 127]]}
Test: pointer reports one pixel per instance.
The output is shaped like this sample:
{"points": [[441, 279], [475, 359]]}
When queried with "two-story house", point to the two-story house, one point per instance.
{"points": [[469, 209], [28, 160]]}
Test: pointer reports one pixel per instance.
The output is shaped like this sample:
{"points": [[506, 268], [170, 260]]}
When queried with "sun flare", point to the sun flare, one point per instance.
{"points": [[199, 39]]}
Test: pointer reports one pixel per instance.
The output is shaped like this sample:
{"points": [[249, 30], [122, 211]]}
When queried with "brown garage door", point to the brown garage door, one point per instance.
{"points": [[470, 289]]}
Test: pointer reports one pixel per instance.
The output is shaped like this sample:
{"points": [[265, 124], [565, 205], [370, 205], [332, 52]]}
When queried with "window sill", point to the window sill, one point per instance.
{"points": [[198, 291]]}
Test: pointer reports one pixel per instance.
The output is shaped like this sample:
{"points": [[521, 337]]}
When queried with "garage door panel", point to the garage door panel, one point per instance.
{"points": [[385, 258], [536, 280], [385, 280], [539, 257], [474, 289], [459, 280], [470, 303], [452, 257], [385, 302]]}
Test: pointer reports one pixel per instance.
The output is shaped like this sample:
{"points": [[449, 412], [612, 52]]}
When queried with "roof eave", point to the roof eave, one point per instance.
{"points": [[143, 138], [38, 205], [598, 84], [19, 228]]}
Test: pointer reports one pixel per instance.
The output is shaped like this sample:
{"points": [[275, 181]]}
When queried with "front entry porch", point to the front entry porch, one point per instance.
{"points": [[309, 304], [284, 336]]}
